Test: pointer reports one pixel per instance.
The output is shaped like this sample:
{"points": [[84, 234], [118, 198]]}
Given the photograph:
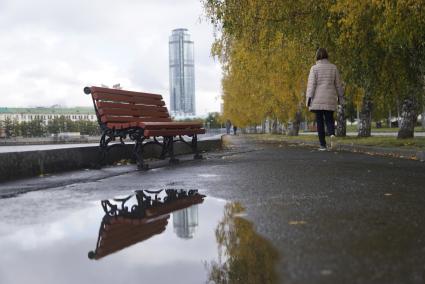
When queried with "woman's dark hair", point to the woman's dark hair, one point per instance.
{"points": [[321, 53]]}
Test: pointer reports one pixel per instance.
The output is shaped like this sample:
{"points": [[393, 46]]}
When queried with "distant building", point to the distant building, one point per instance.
{"points": [[182, 73], [185, 222], [47, 113]]}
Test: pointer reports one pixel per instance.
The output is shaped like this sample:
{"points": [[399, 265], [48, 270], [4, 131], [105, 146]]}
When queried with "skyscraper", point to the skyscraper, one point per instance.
{"points": [[185, 222], [182, 73]]}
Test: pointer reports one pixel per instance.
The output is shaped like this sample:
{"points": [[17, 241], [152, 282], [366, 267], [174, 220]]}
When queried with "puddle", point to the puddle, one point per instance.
{"points": [[205, 242]]}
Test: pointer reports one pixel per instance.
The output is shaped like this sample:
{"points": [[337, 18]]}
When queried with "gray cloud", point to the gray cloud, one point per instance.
{"points": [[51, 49]]}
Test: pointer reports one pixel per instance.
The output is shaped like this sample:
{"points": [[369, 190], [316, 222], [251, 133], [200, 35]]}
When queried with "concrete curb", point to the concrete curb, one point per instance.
{"points": [[46, 141], [16, 165], [369, 150], [389, 152]]}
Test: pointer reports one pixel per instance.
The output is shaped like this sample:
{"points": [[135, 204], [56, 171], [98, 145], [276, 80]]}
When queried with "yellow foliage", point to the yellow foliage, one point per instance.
{"points": [[267, 47]]}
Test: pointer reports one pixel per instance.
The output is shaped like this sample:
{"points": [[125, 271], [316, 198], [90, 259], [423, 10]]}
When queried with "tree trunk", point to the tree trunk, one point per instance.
{"points": [[398, 114], [263, 127], [341, 122], [408, 119], [423, 120], [365, 122], [284, 129], [306, 123], [274, 126], [295, 125]]}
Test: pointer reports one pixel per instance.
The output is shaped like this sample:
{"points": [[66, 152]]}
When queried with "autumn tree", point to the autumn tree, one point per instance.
{"points": [[213, 120], [263, 74], [8, 127], [352, 26], [248, 257], [266, 48], [402, 34]]}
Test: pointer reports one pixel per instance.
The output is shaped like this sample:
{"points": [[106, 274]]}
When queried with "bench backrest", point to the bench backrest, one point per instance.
{"points": [[117, 233], [120, 106]]}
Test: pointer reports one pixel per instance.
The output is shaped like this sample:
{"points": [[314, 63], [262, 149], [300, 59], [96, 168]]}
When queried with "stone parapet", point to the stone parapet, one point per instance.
{"points": [[14, 165]]}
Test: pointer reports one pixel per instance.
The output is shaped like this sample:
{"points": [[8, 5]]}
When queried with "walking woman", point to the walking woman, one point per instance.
{"points": [[324, 92]]}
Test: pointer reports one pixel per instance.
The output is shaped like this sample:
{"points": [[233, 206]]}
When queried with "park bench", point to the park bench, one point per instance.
{"points": [[143, 118]]}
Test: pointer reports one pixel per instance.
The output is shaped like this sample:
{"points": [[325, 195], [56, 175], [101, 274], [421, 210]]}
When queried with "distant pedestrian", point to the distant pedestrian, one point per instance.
{"points": [[228, 126], [235, 129], [324, 92]]}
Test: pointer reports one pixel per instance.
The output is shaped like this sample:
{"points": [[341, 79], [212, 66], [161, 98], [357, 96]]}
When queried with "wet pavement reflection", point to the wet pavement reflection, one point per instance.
{"points": [[244, 256], [165, 236], [136, 218]]}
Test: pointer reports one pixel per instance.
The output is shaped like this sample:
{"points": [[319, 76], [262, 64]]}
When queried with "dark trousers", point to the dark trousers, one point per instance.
{"points": [[322, 117]]}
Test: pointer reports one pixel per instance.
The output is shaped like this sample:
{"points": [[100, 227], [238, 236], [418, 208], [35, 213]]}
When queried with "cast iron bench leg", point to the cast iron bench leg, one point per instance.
{"points": [[103, 149], [164, 149], [170, 141], [196, 155], [138, 153]]}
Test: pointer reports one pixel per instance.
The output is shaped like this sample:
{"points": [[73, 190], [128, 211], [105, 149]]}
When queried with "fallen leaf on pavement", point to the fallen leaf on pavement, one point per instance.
{"points": [[297, 222]]}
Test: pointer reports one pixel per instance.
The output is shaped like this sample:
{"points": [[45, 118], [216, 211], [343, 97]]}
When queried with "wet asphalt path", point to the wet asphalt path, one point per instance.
{"points": [[333, 217]]}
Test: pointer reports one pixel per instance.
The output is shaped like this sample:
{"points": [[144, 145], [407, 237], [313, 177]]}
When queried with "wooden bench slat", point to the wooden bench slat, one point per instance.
{"points": [[124, 119], [127, 99], [129, 112], [101, 105], [155, 125], [168, 125], [173, 132], [118, 125], [117, 230], [124, 92], [114, 240], [137, 124]]}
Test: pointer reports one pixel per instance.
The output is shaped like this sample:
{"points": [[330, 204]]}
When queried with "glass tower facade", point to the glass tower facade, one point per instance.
{"points": [[182, 73], [185, 222]]}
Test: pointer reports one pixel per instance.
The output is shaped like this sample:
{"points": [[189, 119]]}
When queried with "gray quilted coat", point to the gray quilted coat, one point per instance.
{"points": [[324, 89]]}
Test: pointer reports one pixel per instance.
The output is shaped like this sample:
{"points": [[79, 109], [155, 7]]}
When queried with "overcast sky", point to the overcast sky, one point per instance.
{"points": [[51, 49]]}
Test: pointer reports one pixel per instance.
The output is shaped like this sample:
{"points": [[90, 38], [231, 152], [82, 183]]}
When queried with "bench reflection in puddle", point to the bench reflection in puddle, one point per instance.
{"points": [[140, 216]]}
